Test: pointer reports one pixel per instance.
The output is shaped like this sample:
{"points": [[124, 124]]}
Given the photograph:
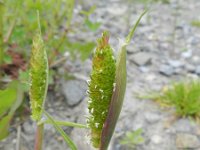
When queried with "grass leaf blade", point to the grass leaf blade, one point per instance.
{"points": [[118, 93], [65, 123], [60, 130]]}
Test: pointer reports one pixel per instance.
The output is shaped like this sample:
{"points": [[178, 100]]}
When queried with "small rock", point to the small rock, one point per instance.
{"points": [[29, 127], [144, 69], [190, 68], [187, 54], [175, 63], [183, 125], [166, 70], [132, 49], [151, 117], [74, 91], [196, 59], [156, 139], [184, 140], [142, 58], [197, 71]]}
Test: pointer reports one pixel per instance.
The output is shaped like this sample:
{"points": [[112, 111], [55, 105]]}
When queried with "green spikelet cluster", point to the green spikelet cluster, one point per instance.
{"points": [[100, 87], [38, 77]]}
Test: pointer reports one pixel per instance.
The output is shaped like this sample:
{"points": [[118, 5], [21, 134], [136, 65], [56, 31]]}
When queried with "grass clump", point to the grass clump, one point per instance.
{"points": [[195, 23], [185, 96], [132, 138]]}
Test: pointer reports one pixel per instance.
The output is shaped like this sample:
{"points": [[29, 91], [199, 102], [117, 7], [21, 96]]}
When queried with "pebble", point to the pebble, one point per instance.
{"points": [[152, 117], [141, 58], [175, 63], [197, 71], [166, 70], [183, 125], [156, 139], [187, 141], [187, 54], [190, 68], [74, 91]]}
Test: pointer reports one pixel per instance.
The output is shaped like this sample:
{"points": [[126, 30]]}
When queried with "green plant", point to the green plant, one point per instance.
{"points": [[184, 96], [10, 99], [195, 23], [38, 90], [106, 97], [91, 25], [106, 89], [132, 138], [18, 24], [106, 101]]}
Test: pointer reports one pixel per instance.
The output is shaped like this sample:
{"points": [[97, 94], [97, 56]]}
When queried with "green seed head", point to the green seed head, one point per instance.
{"points": [[100, 87], [38, 77]]}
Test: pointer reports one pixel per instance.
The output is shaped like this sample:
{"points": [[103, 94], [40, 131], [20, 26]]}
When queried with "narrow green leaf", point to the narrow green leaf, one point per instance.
{"points": [[131, 33], [60, 130], [4, 126], [70, 7], [93, 26], [7, 98], [65, 123], [118, 92], [18, 87], [10, 99]]}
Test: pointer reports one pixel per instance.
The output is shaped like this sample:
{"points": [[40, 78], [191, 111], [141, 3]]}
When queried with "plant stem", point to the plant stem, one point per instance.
{"points": [[39, 137], [1, 33], [10, 31]]}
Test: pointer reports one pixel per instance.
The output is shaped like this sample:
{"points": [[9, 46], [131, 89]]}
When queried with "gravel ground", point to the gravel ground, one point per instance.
{"points": [[165, 48]]}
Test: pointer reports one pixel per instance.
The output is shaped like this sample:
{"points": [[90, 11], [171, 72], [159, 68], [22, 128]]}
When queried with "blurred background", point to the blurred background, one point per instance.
{"points": [[165, 49]]}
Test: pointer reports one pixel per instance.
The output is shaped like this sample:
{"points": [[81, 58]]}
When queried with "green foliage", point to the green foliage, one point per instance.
{"points": [[38, 77], [56, 15], [195, 23], [100, 92], [83, 48], [107, 89], [185, 96], [132, 138], [93, 26], [10, 100], [4, 126], [7, 98]]}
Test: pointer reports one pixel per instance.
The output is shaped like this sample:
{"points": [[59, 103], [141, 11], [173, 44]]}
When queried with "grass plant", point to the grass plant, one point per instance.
{"points": [[183, 95]]}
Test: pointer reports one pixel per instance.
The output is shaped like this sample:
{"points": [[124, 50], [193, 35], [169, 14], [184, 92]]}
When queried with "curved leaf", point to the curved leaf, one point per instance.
{"points": [[118, 92]]}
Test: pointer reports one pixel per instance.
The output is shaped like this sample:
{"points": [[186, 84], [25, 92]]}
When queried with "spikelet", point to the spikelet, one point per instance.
{"points": [[100, 87], [38, 77]]}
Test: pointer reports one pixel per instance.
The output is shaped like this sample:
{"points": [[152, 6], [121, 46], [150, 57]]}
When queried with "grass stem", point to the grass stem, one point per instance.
{"points": [[39, 137]]}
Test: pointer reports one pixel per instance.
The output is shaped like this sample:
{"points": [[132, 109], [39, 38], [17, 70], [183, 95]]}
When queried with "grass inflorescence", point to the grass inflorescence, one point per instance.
{"points": [[100, 87], [38, 77]]}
